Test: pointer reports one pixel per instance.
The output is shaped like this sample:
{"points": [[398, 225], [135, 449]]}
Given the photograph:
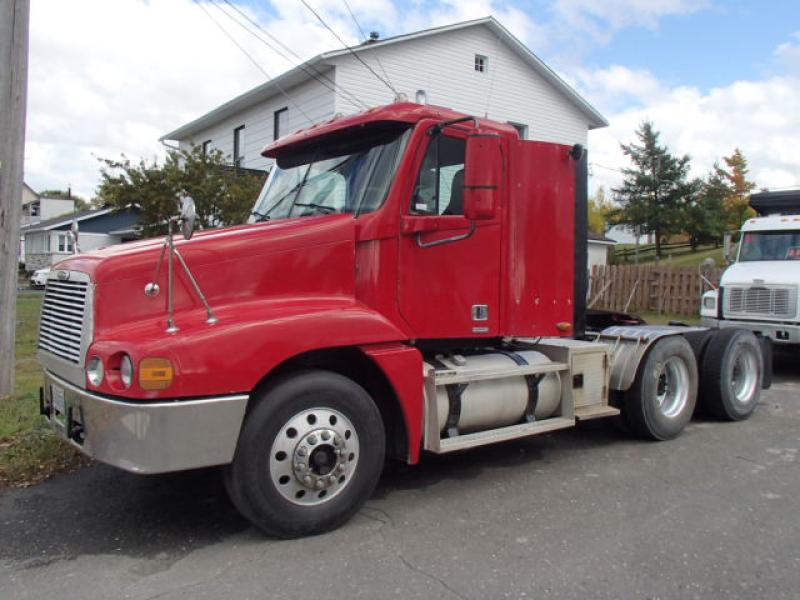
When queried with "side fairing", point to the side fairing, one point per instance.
{"points": [[538, 286]]}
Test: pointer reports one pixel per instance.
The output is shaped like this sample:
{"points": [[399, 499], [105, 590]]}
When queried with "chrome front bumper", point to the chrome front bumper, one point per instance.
{"points": [[780, 333], [145, 437]]}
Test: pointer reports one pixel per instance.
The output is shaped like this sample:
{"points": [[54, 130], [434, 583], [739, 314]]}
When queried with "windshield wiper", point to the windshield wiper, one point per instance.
{"points": [[320, 207], [260, 216]]}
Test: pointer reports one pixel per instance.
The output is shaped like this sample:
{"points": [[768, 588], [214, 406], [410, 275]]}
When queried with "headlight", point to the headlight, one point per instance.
{"points": [[126, 371], [709, 302], [94, 371]]}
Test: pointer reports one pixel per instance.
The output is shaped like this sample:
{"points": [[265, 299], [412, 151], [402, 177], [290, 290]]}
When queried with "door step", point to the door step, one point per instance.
{"points": [[502, 434], [595, 411]]}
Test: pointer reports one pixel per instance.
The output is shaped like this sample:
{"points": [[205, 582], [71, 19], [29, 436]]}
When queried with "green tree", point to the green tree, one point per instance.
{"points": [[655, 190], [599, 211], [223, 194], [705, 217], [737, 201]]}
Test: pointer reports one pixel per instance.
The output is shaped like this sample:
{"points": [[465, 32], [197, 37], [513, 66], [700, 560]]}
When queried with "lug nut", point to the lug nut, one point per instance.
{"points": [[300, 467], [312, 439], [325, 435], [307, 480], [302, 451], [319, 484], [331, 480]]}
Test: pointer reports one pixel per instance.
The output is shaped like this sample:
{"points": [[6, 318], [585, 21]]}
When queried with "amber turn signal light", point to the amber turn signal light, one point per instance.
{"points": [[563, 326], [155, 373]]}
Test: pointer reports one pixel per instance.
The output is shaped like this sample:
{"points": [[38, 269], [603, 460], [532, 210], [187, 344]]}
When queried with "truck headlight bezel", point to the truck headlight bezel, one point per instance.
{"points": [[95, 371]]}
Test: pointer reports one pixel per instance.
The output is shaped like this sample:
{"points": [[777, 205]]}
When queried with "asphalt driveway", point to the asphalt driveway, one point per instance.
{"points": [[575, 514]]}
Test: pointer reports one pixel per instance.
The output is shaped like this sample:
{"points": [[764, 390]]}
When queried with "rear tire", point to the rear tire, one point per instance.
{"points": [[662, 398], [309, 455], [733, 369]]}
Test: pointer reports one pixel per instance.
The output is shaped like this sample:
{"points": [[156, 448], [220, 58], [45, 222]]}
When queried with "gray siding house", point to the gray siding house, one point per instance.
{"points": [[477, 67], [48, 242]]}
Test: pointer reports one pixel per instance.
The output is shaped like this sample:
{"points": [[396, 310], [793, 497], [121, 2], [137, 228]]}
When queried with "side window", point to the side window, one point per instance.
{"points": [[440, 185]]}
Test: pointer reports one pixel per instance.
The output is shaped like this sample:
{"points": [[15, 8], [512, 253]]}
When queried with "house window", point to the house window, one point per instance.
{"points": [[279, 123], [481, 63], [238, 146], [521, 129], [206, 147], [64, 242]]}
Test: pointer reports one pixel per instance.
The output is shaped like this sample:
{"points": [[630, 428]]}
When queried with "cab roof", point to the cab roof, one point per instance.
{"points": [[772, 223], [399, 112]]}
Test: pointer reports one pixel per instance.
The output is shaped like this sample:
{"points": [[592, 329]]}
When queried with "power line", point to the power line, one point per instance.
{"points": [[349, 49], [364, 36], [309, 70], [253, 60], [607, 168]]}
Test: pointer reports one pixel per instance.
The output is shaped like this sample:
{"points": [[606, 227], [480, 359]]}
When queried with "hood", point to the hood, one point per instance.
{"points": [[770, 272], [301, 258]]}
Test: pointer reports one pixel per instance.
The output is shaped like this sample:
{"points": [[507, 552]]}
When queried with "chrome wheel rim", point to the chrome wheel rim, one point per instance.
{"points": [[744, 379], [314, 456], [672, 387]]}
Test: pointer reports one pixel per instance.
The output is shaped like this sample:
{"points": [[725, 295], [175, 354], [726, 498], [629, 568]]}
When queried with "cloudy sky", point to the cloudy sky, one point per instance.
{"points": [[111, 77]]}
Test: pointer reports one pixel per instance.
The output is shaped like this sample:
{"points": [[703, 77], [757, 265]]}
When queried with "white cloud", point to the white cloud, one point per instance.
{"points": [[759, 117], [602, 19]]}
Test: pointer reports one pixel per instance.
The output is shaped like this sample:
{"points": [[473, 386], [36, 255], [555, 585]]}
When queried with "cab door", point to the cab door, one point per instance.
{"points": [[449, 266]]}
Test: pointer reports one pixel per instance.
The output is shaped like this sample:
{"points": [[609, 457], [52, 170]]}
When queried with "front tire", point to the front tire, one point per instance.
{"points": [[309, 455], [663, 396]]}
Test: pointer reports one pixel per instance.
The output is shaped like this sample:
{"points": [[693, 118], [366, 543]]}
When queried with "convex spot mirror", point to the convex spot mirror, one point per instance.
{"points": [[187, 217], [483, 173]]}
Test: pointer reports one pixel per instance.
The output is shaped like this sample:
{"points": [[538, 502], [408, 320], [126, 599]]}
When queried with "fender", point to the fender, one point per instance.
{"points": [[403, 367], [248, 342], [629, 345]]}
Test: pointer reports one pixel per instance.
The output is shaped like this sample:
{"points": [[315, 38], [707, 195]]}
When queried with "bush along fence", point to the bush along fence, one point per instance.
{"points": [[651, 288]]}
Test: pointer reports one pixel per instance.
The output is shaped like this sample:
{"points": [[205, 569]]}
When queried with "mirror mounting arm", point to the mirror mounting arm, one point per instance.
{"points": [[437, 129]]}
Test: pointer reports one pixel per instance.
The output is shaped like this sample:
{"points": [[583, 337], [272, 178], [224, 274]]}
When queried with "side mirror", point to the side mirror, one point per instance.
{"points": [[73, 234], [188, 216], [483, 174]]}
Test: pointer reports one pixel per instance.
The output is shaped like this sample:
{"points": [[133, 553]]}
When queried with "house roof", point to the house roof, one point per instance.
{"points": [[600, 239], [57, 222], [299, 74]]}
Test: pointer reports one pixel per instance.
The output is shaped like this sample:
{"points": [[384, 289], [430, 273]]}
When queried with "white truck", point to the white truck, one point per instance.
{"points": [[759, 291]]}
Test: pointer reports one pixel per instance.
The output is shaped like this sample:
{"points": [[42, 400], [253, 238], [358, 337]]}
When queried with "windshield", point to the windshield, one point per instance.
{"points": [[770, 245], [350, 172]]}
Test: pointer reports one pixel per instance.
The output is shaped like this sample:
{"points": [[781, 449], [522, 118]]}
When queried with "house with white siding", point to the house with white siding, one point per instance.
{"points": [[477, 67]]}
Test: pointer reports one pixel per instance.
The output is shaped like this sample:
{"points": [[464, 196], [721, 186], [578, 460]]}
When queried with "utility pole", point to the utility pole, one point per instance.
{"points": [[14, 18]]}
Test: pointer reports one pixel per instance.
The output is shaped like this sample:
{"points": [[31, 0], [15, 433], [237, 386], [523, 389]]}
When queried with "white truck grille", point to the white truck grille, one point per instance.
{"points": [[762, 301], [66, 320]]}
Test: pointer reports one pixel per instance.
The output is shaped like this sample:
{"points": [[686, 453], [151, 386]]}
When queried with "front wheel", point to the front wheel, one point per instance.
{"points": [[309, 455], [662, 398]]}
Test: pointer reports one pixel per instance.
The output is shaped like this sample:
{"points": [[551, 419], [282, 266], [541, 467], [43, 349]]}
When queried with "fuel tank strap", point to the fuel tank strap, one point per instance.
{"points": [[533, 385], [454, 391]]}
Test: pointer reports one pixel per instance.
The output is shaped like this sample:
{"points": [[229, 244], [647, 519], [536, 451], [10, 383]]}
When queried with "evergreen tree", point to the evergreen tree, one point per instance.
{"points": [[737, 201], [705, 218], [223, 194], [655, 191]]}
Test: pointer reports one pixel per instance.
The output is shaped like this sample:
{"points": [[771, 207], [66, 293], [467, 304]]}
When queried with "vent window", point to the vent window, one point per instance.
{"points": [[481, 63]]}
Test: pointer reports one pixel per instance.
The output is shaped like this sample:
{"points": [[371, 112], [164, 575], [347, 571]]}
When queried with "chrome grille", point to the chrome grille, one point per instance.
{"points": [[762, 301], [65, 317]]}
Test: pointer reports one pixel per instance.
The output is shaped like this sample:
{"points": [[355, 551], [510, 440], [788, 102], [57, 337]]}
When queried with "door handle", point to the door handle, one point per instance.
{"points": [[455, 238]]}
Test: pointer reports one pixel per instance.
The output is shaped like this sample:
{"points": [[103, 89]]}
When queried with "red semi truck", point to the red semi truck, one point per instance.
{"points": [[412, 279]]}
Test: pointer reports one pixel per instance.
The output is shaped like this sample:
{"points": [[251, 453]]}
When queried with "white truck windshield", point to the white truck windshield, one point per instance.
{"points": [[770, 245]]}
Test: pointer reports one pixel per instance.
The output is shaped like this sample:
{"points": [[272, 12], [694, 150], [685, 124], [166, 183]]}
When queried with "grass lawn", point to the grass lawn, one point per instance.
{"points": [[29, 451], [672, 257]]}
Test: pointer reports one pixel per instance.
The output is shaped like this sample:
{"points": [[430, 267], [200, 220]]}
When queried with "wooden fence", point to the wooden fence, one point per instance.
{"points": [[650, 288]]}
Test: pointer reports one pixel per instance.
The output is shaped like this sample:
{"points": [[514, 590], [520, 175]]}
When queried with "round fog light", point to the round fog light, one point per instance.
{"points": [[126, 371], [94, 371]]}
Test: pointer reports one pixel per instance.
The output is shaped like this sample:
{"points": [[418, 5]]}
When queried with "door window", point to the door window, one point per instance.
{"points": [[440, 185]]}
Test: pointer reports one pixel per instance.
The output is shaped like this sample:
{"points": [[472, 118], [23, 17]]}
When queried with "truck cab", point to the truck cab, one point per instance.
{"points": [[759, 291], [413, 279]]}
